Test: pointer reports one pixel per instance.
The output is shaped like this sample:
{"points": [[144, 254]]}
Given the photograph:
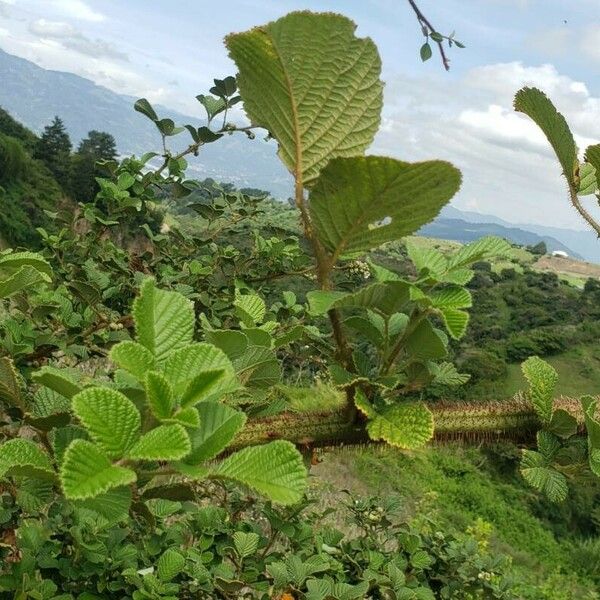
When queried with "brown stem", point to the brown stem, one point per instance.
{"points": [[424, 22]]}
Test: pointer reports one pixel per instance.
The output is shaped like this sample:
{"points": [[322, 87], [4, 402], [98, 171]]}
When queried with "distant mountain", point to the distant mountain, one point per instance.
{"points": [[34, 96], [463, 231], [584, 243]]}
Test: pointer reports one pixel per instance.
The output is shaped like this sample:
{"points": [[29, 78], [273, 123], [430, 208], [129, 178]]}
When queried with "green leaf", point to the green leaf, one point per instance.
{"points": [[482, 249], [386, 298], [165, 442], [193, 372], [456, 322], [250, 309], [592, 156], [14, 261], [259, 367], [24, 457], [159, 395], [10, 390], [212, 105], [275, 470], [113, 506], [428, 260], [133, 358], [548, 444], [111, 418], [539, 475], [452, 297], [188, 417], [562, 424], [87, 472], [363, 405], [362, 202], [446, 374], [143, 106], [169, 565], [25, 277], [425, 51], [588, 183], [62, 437], [164, 321], [407, 425], [219, 425], [426, 342], [313, 85], [245, 543], [542, 379], [58, 380], [536, 105]]}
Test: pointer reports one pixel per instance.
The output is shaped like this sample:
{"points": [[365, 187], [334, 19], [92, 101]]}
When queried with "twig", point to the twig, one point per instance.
{"points": [[425, 24]]}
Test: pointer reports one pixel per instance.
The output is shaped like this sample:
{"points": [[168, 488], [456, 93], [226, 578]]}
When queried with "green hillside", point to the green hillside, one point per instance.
{"points": [[27, 188]]}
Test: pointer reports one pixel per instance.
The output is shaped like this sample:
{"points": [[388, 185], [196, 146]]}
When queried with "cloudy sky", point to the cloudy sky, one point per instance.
{"points": [[169, 50]]}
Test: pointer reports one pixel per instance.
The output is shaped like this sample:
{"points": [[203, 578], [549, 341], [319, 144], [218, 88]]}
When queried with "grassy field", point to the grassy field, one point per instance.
{"points": [[578, 372]]}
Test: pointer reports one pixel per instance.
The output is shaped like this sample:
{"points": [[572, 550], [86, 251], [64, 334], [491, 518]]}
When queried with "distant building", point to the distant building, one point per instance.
{"points": [[560, 253]]}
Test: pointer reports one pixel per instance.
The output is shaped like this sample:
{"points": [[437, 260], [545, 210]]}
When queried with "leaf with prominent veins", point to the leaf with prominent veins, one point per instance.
{"points": [[362, 202], [313, 85]]}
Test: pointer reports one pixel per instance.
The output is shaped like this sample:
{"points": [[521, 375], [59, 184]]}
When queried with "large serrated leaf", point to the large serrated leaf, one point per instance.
{"points": [[111, 419], [87, 472], [170, 564], [426, 260], [15, 261], [538, 474], [193, 370], [164, 321], [407, 425], [58, 380], [165, 442], [258, 367], [245, 543], [538, 107], [62, 437], [362, 202], [250, 309], [542, 379], [426, 342], [385, 298], [451, 297], [219, 424], [456, 321], [159, 394], [275, 470], [481, 249], [25, 277], [113, 506], [24, 457], [313, 85], [133, 358]]}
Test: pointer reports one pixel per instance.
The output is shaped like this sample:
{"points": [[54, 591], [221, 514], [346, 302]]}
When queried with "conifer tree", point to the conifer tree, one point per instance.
{"points": [[54, 149]]}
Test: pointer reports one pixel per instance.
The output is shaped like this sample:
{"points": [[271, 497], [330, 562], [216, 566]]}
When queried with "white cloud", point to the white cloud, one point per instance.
{"points": [[53, 29], [72, 39], [77, 9], [508, 167]]}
